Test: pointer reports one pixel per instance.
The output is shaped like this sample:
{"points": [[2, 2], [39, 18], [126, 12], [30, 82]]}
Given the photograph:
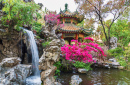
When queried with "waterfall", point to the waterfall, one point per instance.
{"points": [[35, 78]]}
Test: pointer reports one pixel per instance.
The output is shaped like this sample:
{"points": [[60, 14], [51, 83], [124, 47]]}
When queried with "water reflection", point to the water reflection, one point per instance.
{"points": [[100, 77]]}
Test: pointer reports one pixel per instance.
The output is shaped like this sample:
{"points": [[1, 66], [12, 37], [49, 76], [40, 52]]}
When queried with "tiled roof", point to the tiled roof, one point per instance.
{"points": [[68, 13], [71, 28]]}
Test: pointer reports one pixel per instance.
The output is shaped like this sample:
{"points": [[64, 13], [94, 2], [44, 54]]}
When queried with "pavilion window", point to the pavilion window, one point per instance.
{"points": [[67, 20]]}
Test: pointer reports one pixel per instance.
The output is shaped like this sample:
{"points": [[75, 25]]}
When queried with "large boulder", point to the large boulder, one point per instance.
{"points": [[75, 80], [10, 62], [16, 75], [82, 70], [113, 42]]}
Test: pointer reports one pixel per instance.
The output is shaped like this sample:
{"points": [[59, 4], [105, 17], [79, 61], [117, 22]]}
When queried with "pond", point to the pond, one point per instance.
{"points": [[99, 77]]}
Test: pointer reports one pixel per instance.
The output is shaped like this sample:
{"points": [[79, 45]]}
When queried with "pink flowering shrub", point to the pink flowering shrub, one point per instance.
{"points": [[81, 51], [52, 18], [89, 38]]}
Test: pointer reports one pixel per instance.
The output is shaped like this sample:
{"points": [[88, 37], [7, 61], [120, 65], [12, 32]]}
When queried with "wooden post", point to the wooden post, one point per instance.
{"points": [[71, 21], [76, 37], [63, 21], [83, 36]]}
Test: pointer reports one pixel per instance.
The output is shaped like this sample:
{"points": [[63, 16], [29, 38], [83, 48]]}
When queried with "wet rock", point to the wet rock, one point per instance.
{"points": [[82, 70], [112, 59], [75, 80], [16, 75], [10, 62], [120, 67], [115, 64]]}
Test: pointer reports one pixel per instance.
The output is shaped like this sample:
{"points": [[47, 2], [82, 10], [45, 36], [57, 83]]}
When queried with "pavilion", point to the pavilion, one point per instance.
{"points": [[70, 30]]}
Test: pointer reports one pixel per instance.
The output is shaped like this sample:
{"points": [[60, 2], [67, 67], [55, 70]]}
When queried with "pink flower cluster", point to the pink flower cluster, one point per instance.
{"points": [[88, 38], [52, 18], [81, 51]]}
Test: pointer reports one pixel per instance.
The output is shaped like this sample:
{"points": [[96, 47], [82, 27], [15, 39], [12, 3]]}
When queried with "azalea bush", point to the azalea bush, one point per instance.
{"points": [[82, 51]]}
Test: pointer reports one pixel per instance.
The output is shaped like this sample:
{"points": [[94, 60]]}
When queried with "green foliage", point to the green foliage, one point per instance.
{"points": [[121, 30], [37, 27], [59, 66], [19, 13], [116, 52], [38, 37], [122, 55], [100, 44], [44, 44], [78, 64], [122, 61]]}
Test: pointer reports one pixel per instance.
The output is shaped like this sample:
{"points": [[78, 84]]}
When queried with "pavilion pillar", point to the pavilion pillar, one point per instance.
{"points": [[76, 37], [71, 21], [63, 21], [83, 37]]}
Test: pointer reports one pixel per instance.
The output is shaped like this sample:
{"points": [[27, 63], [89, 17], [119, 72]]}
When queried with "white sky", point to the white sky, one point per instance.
{"points": [[55, 5]]}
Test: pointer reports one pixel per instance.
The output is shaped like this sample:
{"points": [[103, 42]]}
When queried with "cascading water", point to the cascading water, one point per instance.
{"points": [[35, 78]]}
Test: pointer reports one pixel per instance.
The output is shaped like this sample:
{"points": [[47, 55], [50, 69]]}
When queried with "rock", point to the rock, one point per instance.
{"points": [[53, 49], [113, 42], [10, 62], [50, 54], [120, 67], [82, 70], [56, 56], [106, 66], [75, 80], [115, 64], [112, 59], [57, 83], [49, 81], [55, 42], [49, 72], [16, 75]]}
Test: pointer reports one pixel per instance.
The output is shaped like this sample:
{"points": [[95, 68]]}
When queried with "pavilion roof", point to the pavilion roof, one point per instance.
{"points": [[71, 28], [67, 13]]}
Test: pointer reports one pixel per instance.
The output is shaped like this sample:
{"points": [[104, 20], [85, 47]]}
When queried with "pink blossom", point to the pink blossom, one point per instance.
{"points": [[81, 51], [89, 38]]}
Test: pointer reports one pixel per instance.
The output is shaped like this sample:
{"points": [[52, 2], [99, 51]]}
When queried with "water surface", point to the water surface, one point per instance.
{"points": [[99, 77]]}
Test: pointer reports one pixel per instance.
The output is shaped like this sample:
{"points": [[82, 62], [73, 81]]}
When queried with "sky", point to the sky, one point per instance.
{"points": [[55, 5]]}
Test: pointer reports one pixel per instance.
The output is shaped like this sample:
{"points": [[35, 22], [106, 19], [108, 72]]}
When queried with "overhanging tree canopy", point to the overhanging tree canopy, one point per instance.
{"points": [[101, 9]]}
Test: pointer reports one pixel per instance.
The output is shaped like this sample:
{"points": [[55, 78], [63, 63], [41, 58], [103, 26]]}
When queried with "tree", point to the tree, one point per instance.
{"points": [[101, 9], [87, 24], [18, 13]]}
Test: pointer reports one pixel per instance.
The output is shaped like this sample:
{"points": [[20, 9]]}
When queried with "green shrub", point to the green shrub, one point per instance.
{"points": [[59, 66], [19, 13], [122, 55], [37, 27], [47, 43], [116, 52], [78, 64]]}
